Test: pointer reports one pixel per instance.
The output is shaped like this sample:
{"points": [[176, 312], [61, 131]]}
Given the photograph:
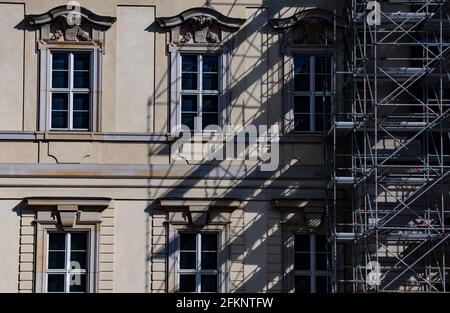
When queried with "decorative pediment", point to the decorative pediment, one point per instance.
{"points": [[309, 26], [199, 25], [70, 24]]}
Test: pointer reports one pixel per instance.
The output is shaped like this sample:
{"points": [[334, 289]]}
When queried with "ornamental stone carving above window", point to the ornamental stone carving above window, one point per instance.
{"points": [[70, 24], [199, 26]]}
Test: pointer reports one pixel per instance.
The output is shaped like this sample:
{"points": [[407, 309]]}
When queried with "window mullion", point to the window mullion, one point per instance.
{"points": [[67, 271], [71, 77], [313, 263], [198, 271], [312, 99], [200, 88]]}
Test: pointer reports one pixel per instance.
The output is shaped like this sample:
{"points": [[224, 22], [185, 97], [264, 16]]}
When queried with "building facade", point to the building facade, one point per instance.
{"points": [[102, 191]]}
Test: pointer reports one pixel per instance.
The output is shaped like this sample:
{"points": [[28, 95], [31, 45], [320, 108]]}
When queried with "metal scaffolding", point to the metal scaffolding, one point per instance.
{"points": [[388, 151]]}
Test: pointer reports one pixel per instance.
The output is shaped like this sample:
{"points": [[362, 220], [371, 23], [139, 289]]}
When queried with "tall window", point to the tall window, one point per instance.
{"points": [[70, 91], [67, 262], [310, 263], [312, 92], [198, 262], [199, 91]]}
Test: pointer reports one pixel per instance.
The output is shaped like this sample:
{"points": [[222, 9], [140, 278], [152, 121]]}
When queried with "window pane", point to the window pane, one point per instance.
{"points": [[302, 262], [321, 284], [189, 103], [55, 283], [302, 64], [302, 284], [56, 241], [187, 283], [323, 65], [82, 62], [59, 119], [60, 61], [210, 104], [60, 79], [187, 260], [321, 261], [301, 105], [302, 122], [189, 81], [209, 242], [209, 283], [78, 283], [81, 102], [302, 243], [188, 119], [319, 122], [210, 81], [81, 120], [323, 82], [78, 260], [321, 243], [210, 119], [210, 64], [302, 82], [81, 80], [188, 241], [57, 260], [60, 101], [189, 63], [209, 260]]}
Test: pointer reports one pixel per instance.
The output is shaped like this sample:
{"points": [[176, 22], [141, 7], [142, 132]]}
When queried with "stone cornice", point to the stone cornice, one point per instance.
{"points": [[224, 21], [307, 14], [101, 22]]}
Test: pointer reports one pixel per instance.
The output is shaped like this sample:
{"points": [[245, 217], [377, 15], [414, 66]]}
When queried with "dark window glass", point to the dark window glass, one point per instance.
{"points": [[210, 64], [60, 102], [321, 261], [78, 283], [210, 104], [301, 105], [210, 81], [82, 62], [189, 103], [187, 283], [188, 119], [56, 260], [302, 122], [209, 283], [302, 65], [302, 82], [321, 243], [81, 102], [302, 262], [302, 284], [81, 80], [210, 119], [189, 81], [209, 260], [321, 284], [189, 64], [57, 241], [78, 260], [81, 120], [60, 61], [187, 260], [55, 282], [209, 242], [60, 79], [323, 82]]}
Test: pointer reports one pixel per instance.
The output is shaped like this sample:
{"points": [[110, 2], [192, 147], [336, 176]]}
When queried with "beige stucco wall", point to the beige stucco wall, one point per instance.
{"points": [[135, 86]]}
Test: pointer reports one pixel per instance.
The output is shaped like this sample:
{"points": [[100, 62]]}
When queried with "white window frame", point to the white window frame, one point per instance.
{"points": [[224, 53], [67, 271], [200, 92], [312, 93], [198, 271], [70, 90], [313, 273]]}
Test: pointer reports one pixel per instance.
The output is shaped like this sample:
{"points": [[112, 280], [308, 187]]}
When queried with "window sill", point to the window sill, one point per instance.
{"points": [[313, 137]]}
